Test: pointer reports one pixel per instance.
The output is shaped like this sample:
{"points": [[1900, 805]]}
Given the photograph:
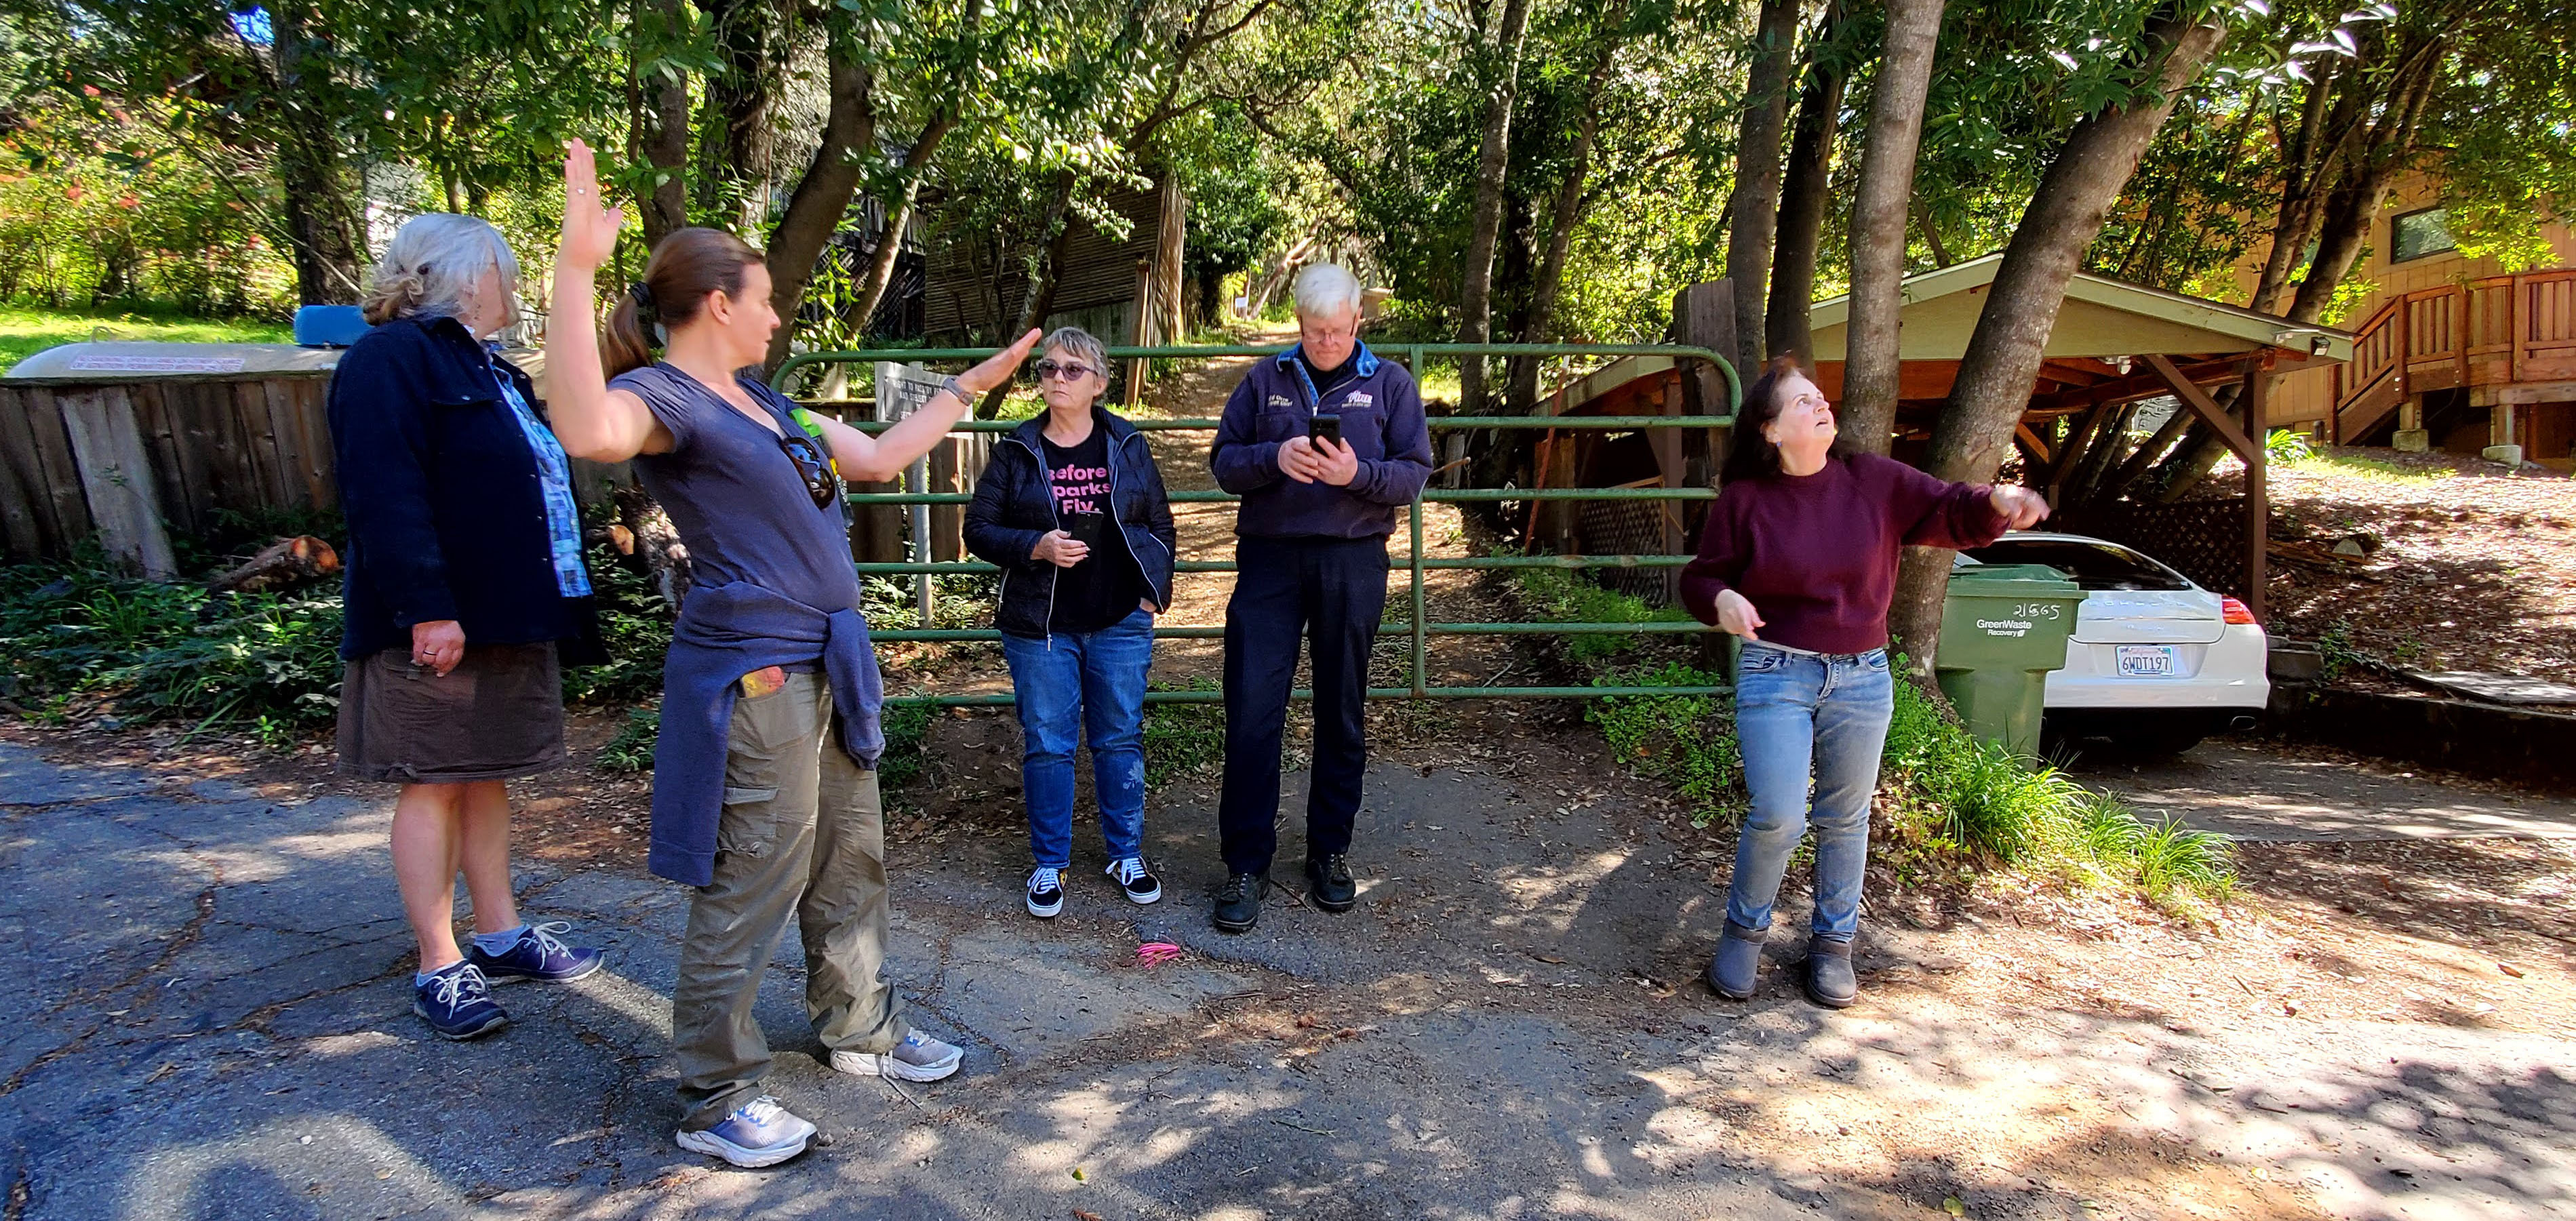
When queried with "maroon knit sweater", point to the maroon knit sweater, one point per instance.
{"points": [[1816, 554]]}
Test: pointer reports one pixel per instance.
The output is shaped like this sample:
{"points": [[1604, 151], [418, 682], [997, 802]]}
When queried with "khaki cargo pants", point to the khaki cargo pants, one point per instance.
{"points": [[803, 832]]}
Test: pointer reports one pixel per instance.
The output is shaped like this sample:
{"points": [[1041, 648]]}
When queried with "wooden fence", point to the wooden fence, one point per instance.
{"points": [[115, 460]]}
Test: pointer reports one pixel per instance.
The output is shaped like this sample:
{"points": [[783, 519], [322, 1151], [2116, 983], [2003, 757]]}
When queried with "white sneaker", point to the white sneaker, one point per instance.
{"points": [[758, 1133], [1046, 892], [918, 1058], [1132, 877]]}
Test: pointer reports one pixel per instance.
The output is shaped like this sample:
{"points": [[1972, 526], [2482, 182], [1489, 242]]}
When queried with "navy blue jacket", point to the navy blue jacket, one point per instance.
{"points": [[1382, 420], [724, 632], [1014, 507], [446, 517]]}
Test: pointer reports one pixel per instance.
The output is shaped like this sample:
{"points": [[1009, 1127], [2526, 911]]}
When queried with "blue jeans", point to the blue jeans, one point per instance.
{"points": [[1795, 712], [1073, 684]]}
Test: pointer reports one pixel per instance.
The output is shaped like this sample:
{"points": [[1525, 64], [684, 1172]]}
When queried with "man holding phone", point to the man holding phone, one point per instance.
{"points": [[1323, 442]]}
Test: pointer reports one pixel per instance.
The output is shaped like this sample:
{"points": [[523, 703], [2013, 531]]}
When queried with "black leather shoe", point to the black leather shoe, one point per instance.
{"points": [[1329, 884], [1238, 902]]}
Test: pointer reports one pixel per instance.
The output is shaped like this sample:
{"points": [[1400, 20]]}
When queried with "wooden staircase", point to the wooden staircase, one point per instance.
{"points": [[2498, 331]]}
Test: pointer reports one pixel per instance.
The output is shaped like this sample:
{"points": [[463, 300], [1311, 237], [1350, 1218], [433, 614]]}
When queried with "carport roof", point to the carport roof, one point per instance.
{"points": [[2102, 317]]}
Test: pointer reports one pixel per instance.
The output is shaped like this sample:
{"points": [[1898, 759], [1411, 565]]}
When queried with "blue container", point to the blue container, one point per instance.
{"points": [[329, 326]]}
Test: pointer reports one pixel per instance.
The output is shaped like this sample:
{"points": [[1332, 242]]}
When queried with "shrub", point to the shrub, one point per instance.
{"points": [[1687, 741], [632, 749], [1567, 596], [906, 728]]}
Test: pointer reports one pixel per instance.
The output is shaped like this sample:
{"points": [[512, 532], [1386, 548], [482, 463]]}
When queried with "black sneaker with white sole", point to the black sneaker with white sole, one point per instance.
{"points": [[1132, 877], [1046, 892]]}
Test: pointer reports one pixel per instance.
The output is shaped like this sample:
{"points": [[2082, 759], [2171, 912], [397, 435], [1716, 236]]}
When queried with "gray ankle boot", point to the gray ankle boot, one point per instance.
{"points": [[1739, 956], [1830, 981]]}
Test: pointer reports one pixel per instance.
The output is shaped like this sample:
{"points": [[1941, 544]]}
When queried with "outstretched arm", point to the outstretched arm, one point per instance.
{"points": [[884, 455], [590, 419]]}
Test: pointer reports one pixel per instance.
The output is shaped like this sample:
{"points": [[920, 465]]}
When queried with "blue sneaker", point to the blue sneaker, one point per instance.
{"points": [[758, 1133], [456, 1001], [538, 955]]}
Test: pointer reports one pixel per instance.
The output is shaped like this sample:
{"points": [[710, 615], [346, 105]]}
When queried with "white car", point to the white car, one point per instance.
{"points": [[2155, 662]]}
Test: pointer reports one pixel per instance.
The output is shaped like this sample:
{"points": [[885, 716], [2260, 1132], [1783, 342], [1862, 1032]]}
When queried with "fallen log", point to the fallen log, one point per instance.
{"points": [[279, 564]]}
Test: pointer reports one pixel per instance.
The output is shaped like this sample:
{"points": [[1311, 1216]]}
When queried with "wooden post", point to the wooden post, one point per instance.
{"points": [[1704, 317], [2258, 510], [1140, 330], [116, 479]]}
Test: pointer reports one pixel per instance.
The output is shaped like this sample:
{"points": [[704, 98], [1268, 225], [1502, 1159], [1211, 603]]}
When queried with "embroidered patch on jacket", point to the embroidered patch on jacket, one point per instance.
{"points": [[1358, 400], [1281, 400]]}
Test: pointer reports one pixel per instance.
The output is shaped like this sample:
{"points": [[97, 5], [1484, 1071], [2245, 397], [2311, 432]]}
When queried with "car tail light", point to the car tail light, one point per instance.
{"points": [[2235, 611]]}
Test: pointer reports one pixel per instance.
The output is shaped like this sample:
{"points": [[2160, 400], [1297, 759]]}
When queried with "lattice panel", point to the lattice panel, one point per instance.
{"points": [[2201, 539]]}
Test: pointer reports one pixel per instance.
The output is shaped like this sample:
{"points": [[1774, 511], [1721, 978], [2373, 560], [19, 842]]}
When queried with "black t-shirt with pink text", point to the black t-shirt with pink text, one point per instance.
{"points": [[1103, 589]]}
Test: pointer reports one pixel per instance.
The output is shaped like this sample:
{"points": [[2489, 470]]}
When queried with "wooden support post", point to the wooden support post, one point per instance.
{"points": [[1140, 330], [2258, 509], [2200, 404], [1704, 316]]}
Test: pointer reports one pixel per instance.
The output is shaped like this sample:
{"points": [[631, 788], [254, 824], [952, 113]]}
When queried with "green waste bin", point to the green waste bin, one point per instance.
{"points": [[2003, 628]]}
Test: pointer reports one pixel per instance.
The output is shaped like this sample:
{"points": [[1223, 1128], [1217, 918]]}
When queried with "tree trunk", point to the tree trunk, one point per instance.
{"points": [[2354, 205], [1493, 161], [319, 217], [739, 154], [1996, 373], [1878, 223], [916, 163], [2176, 476], [1754, 210], [1804, 189], [2147, 455], [658, 125], [822, 196], [1564, 213], [2307, 170], [1039, 297]]}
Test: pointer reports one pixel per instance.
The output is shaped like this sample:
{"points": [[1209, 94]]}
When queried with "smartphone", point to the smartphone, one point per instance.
{"points": [[1323, 428]]}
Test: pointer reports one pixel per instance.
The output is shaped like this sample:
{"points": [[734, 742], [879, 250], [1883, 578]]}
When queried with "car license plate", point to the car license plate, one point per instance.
{"points": [[2149, 661]]}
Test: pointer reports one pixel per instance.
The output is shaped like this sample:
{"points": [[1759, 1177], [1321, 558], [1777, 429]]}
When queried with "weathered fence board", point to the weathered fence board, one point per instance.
{"points": [[116, 480]]}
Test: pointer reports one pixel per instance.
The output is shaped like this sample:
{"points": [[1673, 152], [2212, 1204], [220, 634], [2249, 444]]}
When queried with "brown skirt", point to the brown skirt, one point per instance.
{"points": [[497, 715]]}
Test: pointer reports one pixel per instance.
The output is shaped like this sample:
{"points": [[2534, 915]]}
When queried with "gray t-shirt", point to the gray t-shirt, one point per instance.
{"points": [[736, 497]]}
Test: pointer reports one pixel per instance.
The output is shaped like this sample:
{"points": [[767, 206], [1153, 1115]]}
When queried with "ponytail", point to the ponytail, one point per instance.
{"points": [[686, 266]]}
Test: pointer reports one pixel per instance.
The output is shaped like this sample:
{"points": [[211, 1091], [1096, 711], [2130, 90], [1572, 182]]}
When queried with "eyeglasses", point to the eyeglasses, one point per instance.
{"points": [[813, 468], [1069, 370]]}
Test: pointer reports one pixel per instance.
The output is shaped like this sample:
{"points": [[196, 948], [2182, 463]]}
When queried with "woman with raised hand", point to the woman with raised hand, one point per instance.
{"points": [[764, 779], [1799, 558], [463, 597], [1072, 509]]}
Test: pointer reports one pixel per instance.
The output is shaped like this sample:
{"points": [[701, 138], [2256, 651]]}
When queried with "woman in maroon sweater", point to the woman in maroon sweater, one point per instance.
{"points": [[1799, 558]]}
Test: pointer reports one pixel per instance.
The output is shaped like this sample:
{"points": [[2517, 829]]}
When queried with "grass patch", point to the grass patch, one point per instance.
{"points": [[27, 330], [2374, 470]]}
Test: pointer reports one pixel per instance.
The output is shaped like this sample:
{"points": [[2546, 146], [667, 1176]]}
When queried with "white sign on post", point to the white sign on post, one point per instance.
{"points": [[901, 390]]}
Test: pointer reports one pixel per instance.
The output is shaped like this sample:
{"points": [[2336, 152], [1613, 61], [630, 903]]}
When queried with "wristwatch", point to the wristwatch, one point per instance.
{"points": [[958, 388]]}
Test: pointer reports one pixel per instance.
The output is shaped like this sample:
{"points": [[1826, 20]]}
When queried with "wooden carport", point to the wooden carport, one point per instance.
{"points": [[2114, 344]]}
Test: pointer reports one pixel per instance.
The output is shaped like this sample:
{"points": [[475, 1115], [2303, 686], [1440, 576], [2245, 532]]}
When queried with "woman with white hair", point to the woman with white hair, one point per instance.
{"points": [[464, 596]]}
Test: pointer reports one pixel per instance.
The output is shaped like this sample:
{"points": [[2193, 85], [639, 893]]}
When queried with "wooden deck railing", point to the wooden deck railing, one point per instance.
{"points": [[2496, 331]]}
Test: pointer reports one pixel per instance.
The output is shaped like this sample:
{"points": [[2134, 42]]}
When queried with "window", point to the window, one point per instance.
{"points": [[2093, 565], [2417, 234]]}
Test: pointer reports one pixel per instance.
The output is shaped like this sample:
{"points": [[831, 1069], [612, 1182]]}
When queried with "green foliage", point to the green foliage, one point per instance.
{"points": [[1183, 740], [632, 749], [76, 637], [634, 626], [907, 730], [1952, 792], [2337, 653], [2284, 445], [1566, 596], [1687, 741]]}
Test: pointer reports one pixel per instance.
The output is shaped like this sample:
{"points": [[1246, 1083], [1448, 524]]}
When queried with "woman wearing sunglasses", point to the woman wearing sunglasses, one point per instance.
{"points": [[1073, 511], [764, 779]]}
